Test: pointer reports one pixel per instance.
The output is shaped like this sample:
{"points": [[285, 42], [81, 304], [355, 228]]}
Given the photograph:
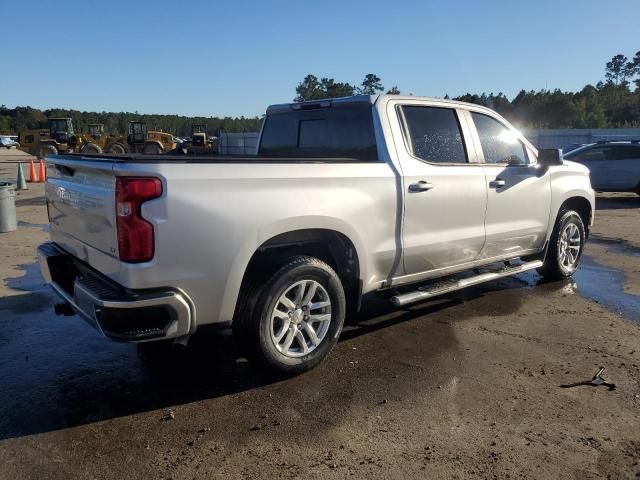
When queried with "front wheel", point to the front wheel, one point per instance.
{"points": [[47, 149], [565, 247], [297, 318], [91, 149]]}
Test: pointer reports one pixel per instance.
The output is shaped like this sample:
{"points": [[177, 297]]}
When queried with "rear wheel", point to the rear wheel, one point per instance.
{"points": [[152, 149], [297, 317], [91, 149], [565, 246], [116, 149]]}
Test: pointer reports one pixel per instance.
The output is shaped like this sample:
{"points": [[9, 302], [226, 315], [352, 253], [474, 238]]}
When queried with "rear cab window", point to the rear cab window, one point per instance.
{"points": [[338, 131]]}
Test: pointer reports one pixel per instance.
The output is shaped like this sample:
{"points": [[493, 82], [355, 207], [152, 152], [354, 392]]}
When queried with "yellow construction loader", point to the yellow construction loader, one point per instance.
{"points": [[58, 138], [94, 141], [200, 141], [139, 140]]}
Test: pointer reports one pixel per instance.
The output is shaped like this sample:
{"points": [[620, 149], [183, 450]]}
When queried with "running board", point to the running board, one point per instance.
{"points": [[425, 293]]}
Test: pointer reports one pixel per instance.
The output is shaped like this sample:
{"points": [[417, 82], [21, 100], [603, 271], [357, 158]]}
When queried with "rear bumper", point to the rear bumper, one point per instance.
{"points": [[119, 313]]}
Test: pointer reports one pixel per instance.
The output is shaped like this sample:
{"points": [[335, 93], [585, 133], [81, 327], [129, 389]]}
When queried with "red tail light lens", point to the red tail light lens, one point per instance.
{"points": [[135, 234]]}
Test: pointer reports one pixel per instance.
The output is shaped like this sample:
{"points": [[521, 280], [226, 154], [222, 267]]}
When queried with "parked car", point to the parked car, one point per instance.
{"points": [[614, 166], [8, 142], [407, 196], [568, 148]]}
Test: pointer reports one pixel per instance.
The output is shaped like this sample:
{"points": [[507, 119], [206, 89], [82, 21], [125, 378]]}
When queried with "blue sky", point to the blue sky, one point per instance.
{"points": [[219, 58]]}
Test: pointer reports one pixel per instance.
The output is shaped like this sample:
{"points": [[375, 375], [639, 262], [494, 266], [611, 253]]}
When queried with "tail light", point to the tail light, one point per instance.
{"points": [[135, 234]]}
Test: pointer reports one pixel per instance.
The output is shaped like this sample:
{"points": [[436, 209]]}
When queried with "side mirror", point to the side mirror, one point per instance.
{"points": [[548, 157]]}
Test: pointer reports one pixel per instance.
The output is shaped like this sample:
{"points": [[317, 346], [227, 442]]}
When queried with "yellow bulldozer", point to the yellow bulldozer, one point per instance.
{"points": [[139, 140], [58, 138]]}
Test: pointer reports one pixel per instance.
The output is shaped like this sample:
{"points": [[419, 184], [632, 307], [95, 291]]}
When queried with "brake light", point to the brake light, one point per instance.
{"points": [[135, 234]]}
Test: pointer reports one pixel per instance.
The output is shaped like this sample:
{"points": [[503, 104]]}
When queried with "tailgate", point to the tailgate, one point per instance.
{"points": [[81, 202]]}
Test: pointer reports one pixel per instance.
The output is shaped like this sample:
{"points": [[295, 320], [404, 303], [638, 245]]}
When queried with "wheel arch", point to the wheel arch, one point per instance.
{"points": [[339, 247], [579, 202]]}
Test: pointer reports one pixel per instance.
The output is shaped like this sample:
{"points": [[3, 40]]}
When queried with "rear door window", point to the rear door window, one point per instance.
{"points": [[341, 132], [499, 144], [623, 152], [433, 134]]}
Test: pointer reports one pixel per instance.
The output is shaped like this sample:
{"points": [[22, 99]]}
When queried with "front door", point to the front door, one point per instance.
{"points": [[444, 194], [518, 193]]}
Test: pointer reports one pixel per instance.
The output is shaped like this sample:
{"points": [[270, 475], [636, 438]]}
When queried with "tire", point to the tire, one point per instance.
{"points": [[568, 236], [91, 149], [283, 343], [47, 150], [116, 149], [152, 149]]}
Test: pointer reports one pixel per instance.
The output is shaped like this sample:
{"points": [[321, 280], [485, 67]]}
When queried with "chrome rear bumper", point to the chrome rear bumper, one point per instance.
{"points": [[117, 312]]}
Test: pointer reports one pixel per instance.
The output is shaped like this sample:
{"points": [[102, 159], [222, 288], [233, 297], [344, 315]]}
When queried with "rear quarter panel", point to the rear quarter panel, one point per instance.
{"points": [[213, 217]]}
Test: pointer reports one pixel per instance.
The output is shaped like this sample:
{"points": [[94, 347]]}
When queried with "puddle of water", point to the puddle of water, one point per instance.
{"points": [[45, 227], [621, 247], [605, 286], [30, 281]]}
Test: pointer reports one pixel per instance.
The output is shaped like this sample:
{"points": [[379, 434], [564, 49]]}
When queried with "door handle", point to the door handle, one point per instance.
{"points": [[497, 183], [421, 186]]}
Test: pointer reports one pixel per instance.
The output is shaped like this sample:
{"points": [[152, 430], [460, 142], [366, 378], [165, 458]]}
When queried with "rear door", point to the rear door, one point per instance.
{"points": [[621, 167], [518, 193], [444, 191]]}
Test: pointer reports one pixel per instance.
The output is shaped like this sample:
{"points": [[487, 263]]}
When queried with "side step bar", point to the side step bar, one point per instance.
{"points": [[425, 293]]}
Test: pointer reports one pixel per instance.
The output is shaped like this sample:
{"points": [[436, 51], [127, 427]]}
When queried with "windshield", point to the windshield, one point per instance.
{"points": [[61, 125], [95, 129], [137, 128]]}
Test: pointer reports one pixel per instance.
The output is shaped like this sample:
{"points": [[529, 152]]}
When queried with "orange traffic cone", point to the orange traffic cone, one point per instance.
{"points": [[43, 173], [32, 172]]}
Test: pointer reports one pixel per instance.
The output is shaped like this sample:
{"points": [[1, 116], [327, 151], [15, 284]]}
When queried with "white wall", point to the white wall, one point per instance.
{"points": [[561, 137], [238, 143]]}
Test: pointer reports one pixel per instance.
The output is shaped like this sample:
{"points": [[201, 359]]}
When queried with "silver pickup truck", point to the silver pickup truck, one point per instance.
{"points": [[412, 196]]}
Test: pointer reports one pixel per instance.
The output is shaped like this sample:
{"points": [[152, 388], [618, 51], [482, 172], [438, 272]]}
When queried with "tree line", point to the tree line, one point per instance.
{"points": [[14, 120], [613, 102]]}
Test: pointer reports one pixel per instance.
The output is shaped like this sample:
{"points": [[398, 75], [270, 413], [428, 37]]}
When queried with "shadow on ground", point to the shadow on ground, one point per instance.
{"points": [[617, 203], [58, 372]]}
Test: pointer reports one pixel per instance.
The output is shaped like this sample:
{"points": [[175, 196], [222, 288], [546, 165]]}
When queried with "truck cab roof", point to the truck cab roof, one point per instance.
{"points": [[364, 99]]}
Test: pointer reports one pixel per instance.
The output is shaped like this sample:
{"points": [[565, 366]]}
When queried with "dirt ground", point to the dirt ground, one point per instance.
{"points": [[463, 387]]}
